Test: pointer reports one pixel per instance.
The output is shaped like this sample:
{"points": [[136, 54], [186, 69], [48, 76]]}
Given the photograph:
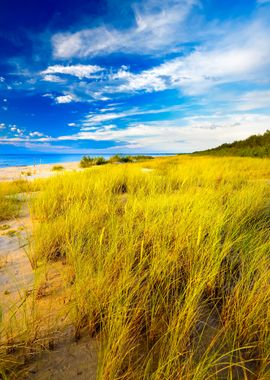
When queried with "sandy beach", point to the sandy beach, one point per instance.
{"points": [[13, 173]]}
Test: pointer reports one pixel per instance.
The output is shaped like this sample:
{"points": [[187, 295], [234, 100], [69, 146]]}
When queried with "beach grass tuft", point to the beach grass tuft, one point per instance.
{"points": [[57, 168]]}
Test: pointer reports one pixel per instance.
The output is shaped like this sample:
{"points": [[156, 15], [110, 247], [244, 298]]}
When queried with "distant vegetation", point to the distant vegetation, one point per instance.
{"points": [[254, 146], [88, 161]]}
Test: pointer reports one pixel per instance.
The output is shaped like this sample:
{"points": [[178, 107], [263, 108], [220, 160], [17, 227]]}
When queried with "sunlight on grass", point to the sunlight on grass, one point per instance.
{"points": [[169, 268]]}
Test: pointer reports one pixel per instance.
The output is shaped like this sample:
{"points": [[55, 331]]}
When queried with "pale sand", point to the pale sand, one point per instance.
{"points": [[35, 171], [16, 274]]}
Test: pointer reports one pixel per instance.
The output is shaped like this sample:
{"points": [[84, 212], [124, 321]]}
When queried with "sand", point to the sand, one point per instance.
{"points": [[35, 171], [16, 275]]}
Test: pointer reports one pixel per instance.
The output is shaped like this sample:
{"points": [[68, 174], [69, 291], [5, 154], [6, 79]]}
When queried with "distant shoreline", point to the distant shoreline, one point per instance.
{"points": [[22, 160]]}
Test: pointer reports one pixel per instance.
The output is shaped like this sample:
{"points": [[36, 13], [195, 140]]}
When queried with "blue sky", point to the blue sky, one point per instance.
{"points": [[123, 76]]}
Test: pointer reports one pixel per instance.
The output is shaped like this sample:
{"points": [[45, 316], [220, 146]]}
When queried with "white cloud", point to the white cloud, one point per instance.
{"points": [[17, 131], [72, 124], [65, 99], [79, 71], [181, 135], [2, 125], [253, 100], [230, 52], [243, 54], [35, 134], [53, 78], [92, 119], [159, 24]]}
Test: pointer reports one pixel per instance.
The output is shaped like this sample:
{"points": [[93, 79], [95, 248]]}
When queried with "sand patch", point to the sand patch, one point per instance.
{"points": [[16, 275], [68, 360], [35, 171]]}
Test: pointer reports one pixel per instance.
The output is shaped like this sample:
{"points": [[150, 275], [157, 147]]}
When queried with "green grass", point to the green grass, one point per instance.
{"points": [[168, 268]]}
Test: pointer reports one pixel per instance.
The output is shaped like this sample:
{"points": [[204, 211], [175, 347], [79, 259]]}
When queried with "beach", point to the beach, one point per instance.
{"points": [[31, 172]]}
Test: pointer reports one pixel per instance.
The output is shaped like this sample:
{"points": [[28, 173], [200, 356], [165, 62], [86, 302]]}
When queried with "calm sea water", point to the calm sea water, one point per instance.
{"points": [[7, 160]]}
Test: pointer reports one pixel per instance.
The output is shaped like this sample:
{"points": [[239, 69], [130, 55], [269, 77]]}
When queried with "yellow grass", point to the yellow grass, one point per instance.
{"points": [[169, 267]]}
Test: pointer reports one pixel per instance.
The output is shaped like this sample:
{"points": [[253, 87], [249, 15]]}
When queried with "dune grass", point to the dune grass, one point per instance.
{"points": [[168, 268], [9, 206]]}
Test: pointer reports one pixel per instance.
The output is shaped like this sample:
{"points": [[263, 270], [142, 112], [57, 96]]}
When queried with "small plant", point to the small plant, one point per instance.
{"points": [[57, 168], [11, 233], [4, 227], [27, 173]]}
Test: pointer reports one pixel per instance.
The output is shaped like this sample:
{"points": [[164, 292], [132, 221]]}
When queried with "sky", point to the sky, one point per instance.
{"points": [[117, 76]]}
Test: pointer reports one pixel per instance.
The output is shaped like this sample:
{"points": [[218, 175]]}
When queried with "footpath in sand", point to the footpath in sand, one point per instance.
{"points": [[66, 359]]}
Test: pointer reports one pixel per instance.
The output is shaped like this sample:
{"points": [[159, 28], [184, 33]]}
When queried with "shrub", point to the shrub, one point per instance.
{"points": [[100, 161], [88, 161], [57, 168], [142, 158], [121, 159], [124, 159]]}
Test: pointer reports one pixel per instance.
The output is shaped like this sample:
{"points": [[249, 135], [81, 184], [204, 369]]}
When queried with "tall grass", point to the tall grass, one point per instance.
{"points": [[169, 268], [9, 205]]}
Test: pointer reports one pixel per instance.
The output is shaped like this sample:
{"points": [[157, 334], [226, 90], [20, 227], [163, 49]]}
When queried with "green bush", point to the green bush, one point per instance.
{"points": [[121, 159], [124, 159], [88, 161], [100, 161]]}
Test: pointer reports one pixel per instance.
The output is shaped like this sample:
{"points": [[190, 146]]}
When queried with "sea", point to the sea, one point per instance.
{"points": [[7, 160]]}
